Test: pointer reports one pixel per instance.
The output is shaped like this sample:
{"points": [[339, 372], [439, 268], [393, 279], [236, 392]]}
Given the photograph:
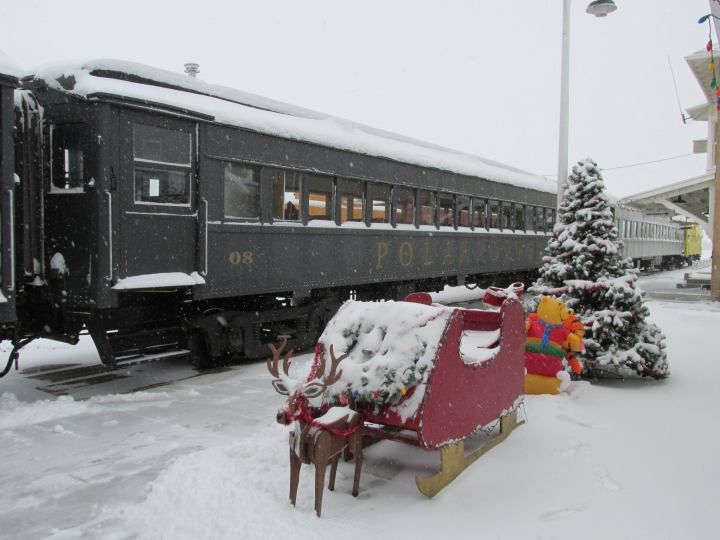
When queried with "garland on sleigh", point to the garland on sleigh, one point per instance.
{"points": [[391, 348]]}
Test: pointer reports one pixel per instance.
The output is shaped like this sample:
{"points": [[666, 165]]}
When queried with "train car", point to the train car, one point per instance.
{"points": [[693, 242], [650, 241], [166, 215], [8, 83]]}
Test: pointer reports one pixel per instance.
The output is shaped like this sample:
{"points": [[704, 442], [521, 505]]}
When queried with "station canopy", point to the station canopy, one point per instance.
{"points": [[692, 197]]}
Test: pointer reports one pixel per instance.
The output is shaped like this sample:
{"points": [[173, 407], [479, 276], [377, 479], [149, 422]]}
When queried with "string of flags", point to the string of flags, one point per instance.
{"points": [[711, 66]]}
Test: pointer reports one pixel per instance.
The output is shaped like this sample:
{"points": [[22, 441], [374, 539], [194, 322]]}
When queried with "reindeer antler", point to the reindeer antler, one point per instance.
{"points": [[272, 363], [334, 377]]}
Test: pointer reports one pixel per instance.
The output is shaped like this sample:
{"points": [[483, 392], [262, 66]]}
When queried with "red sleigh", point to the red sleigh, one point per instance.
{"points": [[461, 395]]}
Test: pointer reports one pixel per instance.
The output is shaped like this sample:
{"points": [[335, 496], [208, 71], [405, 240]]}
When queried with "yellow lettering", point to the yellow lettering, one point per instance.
{"points": [[235, 258], [427, 258], [406, 254], [382, 251]]}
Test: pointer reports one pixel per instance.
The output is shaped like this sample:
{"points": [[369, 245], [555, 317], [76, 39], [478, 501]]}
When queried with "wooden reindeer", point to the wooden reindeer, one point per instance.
{"points": [[318, 440]]}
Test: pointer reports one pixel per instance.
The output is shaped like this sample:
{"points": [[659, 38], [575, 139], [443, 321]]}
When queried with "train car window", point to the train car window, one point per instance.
{"points": [[68, 159], [540, 219], [426, 202], [549, 219], [286, 199], [163, 159], [161, 145], [519, 224], [529, 218], [480, 213], [320, 195], [493, 214], [161, 186], [505, 215], [380, 202], [445, 205], [404, 205], [351, 200], [463, 208], [242, 190]]}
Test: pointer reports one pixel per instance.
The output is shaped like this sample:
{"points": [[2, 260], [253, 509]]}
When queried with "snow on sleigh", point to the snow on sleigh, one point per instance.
{"points": [[430, 376]]}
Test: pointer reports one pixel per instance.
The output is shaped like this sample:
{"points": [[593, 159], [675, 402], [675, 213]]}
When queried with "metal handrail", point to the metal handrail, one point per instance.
{"points": [[110, 235], [206, 207], [11, 213]]}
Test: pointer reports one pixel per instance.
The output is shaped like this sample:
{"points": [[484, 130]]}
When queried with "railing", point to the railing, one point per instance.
{"points": [[702, 263]]}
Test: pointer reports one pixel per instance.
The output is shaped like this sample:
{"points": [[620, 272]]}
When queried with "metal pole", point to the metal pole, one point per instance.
{"points": [[564, 103], [715, 261]]}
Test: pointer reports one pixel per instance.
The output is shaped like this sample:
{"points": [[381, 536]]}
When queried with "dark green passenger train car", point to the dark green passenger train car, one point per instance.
{"points": [[168, 217]]}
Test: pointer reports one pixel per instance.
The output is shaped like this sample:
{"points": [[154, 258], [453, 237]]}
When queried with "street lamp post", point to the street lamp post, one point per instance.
{"points": [[598, 8]]}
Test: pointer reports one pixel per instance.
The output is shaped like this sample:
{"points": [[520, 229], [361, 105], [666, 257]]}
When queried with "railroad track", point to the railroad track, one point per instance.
{"points": [[129, 375]]}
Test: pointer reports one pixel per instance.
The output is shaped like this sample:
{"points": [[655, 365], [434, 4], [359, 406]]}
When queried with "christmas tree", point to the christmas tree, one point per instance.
{"points": [[585, 268]]}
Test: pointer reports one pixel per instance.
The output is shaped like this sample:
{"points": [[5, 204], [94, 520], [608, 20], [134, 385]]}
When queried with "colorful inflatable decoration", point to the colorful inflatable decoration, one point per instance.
{"points": [[551, 333], [575, 325]]}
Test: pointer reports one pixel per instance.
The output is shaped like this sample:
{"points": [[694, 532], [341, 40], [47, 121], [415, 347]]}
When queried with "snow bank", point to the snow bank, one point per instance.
{"points": [[391, 348], [15, 413], [260, 114], [234, 491]]}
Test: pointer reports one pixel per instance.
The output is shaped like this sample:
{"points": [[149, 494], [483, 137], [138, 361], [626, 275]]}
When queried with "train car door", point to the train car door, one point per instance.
{"points": [[7, 204], [158, 201]]}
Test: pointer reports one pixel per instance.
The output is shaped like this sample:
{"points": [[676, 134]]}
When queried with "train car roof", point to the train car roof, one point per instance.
{"points": [[132, 81]]}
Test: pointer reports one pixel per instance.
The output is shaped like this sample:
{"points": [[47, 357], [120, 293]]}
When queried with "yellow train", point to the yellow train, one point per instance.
{"points": [[693, 242]]}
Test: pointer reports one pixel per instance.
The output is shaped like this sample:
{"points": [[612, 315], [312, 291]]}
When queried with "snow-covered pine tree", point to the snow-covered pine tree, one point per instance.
{"points": [[584, 266]]}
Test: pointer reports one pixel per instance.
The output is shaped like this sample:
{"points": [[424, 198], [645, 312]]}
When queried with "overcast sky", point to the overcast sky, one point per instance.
{"points": [[482, 76]]}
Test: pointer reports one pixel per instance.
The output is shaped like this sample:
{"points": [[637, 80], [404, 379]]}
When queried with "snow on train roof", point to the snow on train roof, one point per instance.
{"points": [[233, 107]]}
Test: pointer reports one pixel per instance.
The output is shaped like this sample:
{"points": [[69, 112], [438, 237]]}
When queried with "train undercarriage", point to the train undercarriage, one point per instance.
{"points": [[160, 325]]}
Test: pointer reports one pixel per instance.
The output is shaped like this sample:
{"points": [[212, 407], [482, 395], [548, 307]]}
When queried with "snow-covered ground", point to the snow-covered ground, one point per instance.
{"points": [[202, 457]]}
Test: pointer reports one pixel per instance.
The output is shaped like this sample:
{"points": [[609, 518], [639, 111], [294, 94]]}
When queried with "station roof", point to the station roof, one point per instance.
{"points": [[689, 198], [699, 62]]}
